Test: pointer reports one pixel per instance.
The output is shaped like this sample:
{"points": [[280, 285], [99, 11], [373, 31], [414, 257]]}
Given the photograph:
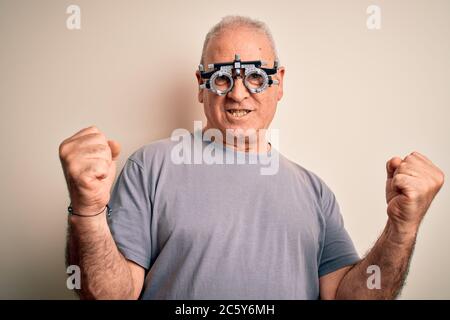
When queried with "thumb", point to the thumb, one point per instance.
{"points": [[115, 149], [392, 165]]}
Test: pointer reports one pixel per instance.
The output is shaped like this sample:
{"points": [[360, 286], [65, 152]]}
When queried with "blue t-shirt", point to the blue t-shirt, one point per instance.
{"points": [[226, 231]]}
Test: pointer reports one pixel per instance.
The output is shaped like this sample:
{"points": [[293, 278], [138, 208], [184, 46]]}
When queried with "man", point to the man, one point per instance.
{"points": [[225, 231]]}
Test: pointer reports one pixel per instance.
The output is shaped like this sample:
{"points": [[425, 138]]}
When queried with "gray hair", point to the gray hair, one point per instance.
{"points": [[234, 21]]}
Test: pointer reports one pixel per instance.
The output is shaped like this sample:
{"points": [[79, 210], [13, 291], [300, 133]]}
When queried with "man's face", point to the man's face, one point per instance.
{"points": [[251, 46]]}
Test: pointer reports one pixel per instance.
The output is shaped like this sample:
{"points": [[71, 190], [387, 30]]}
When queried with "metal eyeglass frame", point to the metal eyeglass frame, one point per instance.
{"points": [[226, 69]]}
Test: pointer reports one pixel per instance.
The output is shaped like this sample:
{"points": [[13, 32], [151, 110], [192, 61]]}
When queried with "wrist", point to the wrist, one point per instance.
{"points": [[86, 210], [401, 233], [87, 215], [94, 222]]}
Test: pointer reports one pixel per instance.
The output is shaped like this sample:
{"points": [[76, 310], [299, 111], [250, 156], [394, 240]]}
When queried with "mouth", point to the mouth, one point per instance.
{"points": [[238, 113]]}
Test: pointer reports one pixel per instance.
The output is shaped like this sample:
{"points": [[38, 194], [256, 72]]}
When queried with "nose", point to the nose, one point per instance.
{"points": [[239, 91]]}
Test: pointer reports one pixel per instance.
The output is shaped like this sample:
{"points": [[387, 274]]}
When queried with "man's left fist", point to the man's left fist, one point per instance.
{"points": [[411, 185]]}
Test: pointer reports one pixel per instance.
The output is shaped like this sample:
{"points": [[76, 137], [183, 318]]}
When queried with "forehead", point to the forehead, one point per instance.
{"points": [[249, 43]]}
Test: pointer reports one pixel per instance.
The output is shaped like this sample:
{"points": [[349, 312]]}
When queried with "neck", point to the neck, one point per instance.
{"points": [[255, 142]]}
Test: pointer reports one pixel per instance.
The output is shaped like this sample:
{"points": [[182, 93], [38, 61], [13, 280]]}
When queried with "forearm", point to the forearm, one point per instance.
{"points": [[104, 271], [391, 253]]}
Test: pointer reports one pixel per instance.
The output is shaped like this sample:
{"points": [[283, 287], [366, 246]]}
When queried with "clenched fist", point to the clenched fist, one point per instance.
{"points": [[411, 185], [89, 163]]}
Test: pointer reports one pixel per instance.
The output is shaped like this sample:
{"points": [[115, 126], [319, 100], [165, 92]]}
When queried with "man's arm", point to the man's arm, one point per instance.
{"points": [[391, 254], [88, 161], [105, 273], [411, 186]]}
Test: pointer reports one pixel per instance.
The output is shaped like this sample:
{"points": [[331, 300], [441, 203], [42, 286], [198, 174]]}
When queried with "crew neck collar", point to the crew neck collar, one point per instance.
{"points": [[229, 149]]}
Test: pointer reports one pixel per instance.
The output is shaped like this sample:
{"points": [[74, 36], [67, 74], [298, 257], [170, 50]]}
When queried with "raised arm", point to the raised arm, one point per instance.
{"points": [[89, 163], [411, 186]]}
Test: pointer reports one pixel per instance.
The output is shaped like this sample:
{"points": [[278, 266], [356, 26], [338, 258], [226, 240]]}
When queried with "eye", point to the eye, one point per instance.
{"points": [[255, 79], [221, 80]]}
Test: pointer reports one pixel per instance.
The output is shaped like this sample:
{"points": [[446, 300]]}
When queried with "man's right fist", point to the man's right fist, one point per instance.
{"points": [[89, 163]]}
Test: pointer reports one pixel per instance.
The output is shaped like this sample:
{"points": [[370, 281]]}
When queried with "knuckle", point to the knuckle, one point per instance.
{"points": [[62, 149], [100, 135], [71, 169], [93, 128], [441, 178], [69, 157], [403, 166], [98, 148]]}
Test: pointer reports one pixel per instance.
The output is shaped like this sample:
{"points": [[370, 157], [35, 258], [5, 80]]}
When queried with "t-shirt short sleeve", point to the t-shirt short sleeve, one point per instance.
{"points": [[338, 250], [129, 221]]}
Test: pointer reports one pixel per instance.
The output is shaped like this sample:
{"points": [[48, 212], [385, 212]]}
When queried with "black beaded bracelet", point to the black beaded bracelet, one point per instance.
{"points": [[70, 210]]}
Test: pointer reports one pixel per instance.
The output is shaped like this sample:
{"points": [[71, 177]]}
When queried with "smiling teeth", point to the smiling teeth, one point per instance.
{"points": [[239, 113]]}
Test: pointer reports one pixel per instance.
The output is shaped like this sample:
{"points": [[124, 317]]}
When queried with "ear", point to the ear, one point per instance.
{"points": [[200, 91], [280, 77]]}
